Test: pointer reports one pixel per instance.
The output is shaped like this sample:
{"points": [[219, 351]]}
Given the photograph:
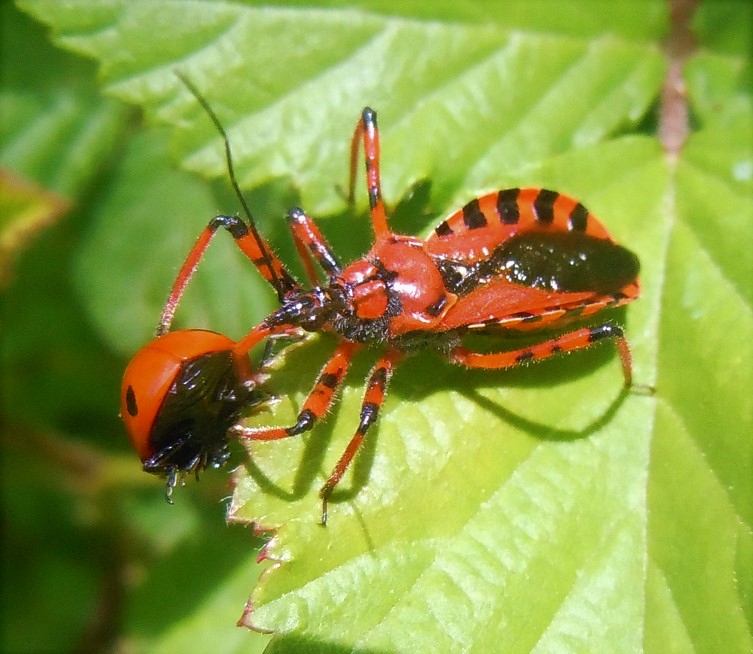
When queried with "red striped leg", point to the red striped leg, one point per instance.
{"points": [[252, 245], [317, 403], [574, 340], [368, 132], [376, 389], [310, 242]]}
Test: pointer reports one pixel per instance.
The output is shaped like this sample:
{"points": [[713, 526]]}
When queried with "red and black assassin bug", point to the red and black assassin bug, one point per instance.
{"points": [[516, 260]]}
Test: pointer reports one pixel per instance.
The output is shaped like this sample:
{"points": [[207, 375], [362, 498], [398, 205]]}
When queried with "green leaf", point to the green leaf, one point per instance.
{"points": [[457, 93], [536, 509], [511, 500]]}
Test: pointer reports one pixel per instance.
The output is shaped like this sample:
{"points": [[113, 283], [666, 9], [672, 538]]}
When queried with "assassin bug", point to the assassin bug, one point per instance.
{"points": [[514, 260]]}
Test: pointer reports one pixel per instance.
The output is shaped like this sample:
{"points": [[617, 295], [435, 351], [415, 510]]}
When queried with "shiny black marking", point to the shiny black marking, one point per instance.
{"points": [[507, 206], [131, 406], [555, 349], [443, 229], [233, 224], [473, 217], [374, 197], [563, 262], [369, 414], [306, 420], [578, 219], [369, 117], [543, 205], [457, 276], [329, 380], [525, 356], [607, 330], [556, 261], [435, 308], [321, 251]]}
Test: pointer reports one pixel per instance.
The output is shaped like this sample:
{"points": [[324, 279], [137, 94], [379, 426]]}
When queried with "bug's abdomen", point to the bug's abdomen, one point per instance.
{"points": [[525, 258], [484, 223]]}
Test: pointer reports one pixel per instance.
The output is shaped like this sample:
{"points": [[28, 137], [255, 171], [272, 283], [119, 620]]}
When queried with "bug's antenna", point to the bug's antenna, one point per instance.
{"points": [[277, 283]]}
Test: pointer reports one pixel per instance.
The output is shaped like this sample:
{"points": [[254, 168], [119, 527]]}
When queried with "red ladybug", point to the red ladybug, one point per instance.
{"points": [[181, 394]]}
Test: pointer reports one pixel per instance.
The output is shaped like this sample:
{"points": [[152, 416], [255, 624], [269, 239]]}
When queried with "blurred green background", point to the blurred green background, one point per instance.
{"points": [[92, 556]]}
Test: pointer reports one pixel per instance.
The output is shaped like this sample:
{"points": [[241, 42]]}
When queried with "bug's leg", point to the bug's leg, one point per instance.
{"points": [[376, 389], [368, 132], [270, 267], [317, 403], [310, 242], [568, 342]]}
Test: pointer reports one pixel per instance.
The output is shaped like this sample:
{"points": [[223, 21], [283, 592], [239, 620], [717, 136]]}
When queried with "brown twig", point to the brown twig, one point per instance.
{"points": [[673, 115]]}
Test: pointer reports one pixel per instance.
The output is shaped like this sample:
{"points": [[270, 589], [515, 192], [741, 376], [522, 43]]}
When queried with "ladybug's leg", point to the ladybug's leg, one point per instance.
{"points": [[574, 340], [367, 130], [376, 389], [308, 239], [317, 403], [249, 243]]}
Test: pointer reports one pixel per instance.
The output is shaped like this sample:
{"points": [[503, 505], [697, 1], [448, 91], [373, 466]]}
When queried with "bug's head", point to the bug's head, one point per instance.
{"points": [[181, 393]]}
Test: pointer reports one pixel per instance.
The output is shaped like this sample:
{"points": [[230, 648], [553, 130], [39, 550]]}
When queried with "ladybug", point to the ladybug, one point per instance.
{"points": [[180, 395]]}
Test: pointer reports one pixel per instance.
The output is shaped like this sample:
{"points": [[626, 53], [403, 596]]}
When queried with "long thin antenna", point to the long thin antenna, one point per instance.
{"points": [[277, 283]]}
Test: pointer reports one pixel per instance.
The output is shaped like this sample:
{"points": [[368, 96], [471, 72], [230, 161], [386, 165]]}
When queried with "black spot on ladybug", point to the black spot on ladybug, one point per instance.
{"points": [[131, 405]]}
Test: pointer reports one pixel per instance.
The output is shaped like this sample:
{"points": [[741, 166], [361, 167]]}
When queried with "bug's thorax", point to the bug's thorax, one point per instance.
{"points": [[395, 289], [415, 283]]}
